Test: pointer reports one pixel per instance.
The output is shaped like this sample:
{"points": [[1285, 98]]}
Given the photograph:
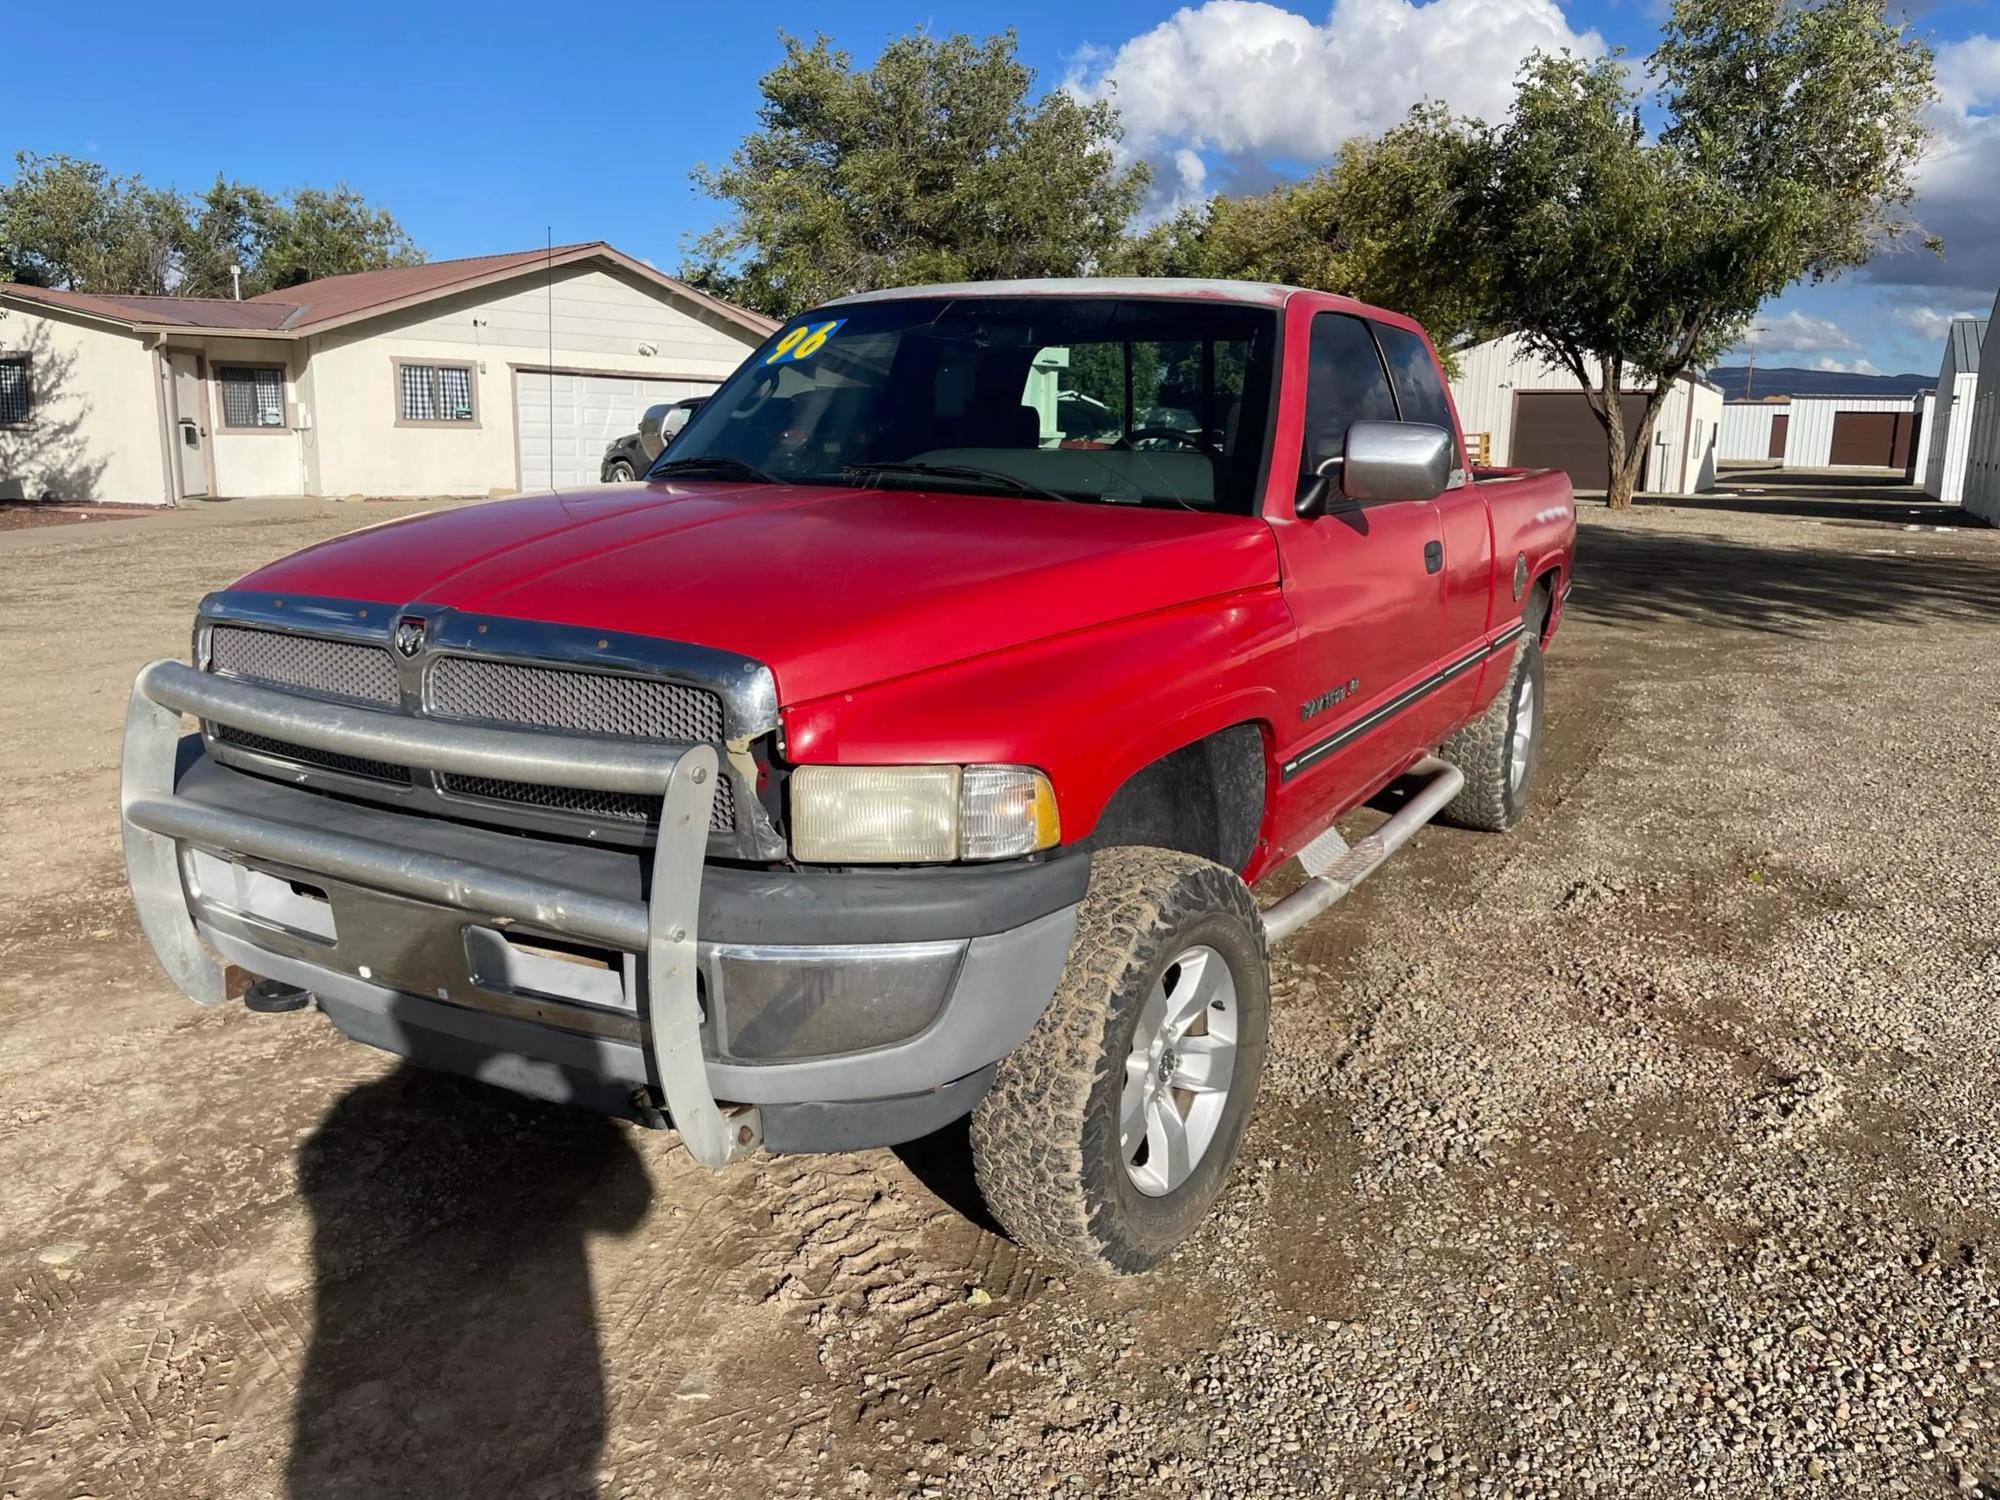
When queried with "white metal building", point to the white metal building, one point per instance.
{"points": [[1943, 465], [1981, 491], [1754, 431], [1534, 415], [1850, 432], [1926, 419]]}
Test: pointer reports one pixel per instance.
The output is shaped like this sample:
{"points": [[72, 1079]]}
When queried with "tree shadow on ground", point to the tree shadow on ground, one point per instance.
{"points": [[1641, 576], [1821, 497], [455, 1348]]}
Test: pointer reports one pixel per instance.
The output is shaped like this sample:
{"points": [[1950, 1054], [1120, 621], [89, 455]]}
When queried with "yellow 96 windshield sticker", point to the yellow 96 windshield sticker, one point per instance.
{"points": [[803, 342]]}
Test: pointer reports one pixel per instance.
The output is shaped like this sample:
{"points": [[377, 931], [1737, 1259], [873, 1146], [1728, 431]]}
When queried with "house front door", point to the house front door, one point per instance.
{"points": [[190, 423]]}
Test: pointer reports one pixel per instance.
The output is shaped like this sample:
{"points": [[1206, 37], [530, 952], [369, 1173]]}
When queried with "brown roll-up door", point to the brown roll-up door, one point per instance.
{"points": [[1558, 430], [1863, 439]]}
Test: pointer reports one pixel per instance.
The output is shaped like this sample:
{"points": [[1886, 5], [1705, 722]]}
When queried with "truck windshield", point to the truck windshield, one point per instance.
{"points": [[1141, 401]]}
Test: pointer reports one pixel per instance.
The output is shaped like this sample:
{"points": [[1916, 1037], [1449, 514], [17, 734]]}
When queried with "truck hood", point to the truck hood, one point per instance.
{"points": [[832, 588]]}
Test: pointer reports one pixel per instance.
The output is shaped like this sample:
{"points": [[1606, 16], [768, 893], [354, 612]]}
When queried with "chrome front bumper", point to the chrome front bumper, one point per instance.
{"points": [[157, 822]]}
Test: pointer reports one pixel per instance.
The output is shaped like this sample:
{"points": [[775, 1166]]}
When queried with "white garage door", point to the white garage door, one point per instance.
{"points": [[564, 422]]}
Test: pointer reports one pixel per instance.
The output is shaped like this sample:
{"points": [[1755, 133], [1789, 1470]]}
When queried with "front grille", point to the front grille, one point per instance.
{"points": [[635, 808], [507, 693], [305, 755], [635, 708], [310, 664]]}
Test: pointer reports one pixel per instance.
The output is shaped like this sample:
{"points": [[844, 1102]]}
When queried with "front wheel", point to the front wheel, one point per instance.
{"points": [[1498, 750], [1109, 1133]]}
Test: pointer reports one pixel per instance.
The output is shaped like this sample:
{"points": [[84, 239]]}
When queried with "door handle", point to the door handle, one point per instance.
{"points": [[1433, 556]]}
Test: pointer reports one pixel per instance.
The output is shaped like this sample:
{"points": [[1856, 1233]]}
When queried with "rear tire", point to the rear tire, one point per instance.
{"points": [[1498, 750], [618, 472], [1108, 1134]]}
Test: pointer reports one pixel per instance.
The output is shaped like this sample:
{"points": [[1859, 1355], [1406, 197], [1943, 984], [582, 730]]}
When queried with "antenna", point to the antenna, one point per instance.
{"points": [[551, 254]]}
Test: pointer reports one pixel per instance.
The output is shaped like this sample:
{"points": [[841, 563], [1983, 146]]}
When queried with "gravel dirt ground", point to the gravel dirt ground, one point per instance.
{"points": [[1649, 1150], [19, 515]]}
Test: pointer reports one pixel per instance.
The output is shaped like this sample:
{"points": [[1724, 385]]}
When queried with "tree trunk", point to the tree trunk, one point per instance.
{"points": [[1622, 468], [1625, 466]]}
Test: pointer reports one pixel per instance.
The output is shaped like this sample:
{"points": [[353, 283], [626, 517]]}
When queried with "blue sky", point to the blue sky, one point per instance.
{"points": [[481, 128]]}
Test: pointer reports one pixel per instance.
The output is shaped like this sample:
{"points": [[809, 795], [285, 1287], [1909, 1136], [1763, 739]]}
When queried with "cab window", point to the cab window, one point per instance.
{"points": [[1345, 383]]}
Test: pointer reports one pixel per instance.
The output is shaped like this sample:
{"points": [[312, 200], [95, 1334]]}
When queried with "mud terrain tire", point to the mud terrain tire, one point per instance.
{"points": [[1045, 1140], [1497, 756]]}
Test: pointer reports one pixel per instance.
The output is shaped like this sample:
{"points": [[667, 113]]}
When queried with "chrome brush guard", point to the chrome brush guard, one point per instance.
{"points": [[156, 823]]}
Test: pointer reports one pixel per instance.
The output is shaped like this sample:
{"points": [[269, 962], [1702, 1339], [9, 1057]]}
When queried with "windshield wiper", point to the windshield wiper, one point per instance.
{"points": [[717, 465], [858, 473]]}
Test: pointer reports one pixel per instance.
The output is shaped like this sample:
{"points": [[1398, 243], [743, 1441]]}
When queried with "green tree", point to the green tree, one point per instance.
{"points": [[932, 165], [74, 225], [1789, 133], [1792, 131], [1388, 222], [319, 233], [225, 228]]}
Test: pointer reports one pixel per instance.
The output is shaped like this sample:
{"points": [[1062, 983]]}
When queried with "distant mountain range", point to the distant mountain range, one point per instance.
{"points": [[1781, 380]]}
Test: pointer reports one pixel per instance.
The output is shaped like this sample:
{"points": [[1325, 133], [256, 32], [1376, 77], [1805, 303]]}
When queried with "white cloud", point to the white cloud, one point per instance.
{"points": [[1845, 367], [1968, 73], [1955, 197], [1927, 323], [1796, 333], [1251, 82]]}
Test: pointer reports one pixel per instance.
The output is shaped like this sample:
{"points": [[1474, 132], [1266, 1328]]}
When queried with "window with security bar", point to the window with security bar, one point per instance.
{"points": [[16, 398], [252, 396], [435, 393]]}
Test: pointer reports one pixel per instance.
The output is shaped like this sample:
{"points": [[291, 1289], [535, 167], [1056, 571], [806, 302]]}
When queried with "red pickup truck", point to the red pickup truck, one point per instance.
{"points": [[903, 747]]}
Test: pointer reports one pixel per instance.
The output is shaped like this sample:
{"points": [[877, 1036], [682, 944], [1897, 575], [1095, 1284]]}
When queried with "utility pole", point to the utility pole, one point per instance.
{"points": [[1750, 375]]}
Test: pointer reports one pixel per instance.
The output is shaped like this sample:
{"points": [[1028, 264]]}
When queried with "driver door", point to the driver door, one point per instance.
{"points": [[1365, 586]]}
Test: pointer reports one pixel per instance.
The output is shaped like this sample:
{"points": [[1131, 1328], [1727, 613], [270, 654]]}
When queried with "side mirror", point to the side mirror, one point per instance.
{"points": [[1313, 493], [1396, 461]]}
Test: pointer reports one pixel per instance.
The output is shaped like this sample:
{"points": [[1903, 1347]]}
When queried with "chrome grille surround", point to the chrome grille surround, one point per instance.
{"points": [[508, 674]]}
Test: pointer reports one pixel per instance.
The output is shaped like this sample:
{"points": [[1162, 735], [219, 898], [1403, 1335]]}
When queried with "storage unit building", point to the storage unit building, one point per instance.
{"points": [[1754, 431], [1943, 470], [1534, 416], [1980, 492], [1920, 456], [1850, 432]]}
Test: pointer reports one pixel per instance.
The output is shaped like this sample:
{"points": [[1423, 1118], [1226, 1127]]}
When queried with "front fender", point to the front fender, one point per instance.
{"points": [[1090, 708]]}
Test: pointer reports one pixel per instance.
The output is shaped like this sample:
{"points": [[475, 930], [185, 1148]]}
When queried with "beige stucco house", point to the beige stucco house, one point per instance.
{"points": [[460, 377]]}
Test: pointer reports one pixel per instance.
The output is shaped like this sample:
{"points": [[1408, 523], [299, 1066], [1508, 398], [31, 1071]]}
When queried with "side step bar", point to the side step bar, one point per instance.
{"points": [[1333, 868]]}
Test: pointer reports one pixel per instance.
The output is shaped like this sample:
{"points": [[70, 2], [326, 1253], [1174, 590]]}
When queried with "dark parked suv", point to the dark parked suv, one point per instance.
{"points": [[634, 453]]}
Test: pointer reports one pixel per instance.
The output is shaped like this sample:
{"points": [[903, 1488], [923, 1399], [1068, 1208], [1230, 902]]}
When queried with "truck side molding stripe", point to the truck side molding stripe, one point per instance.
{"points": [[1346, 735]]}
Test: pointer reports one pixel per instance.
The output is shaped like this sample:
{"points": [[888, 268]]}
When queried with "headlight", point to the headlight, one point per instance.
{"points": [[920, 814]]}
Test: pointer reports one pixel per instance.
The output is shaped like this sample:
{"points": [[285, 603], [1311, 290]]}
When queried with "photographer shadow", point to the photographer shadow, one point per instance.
{"points": [[455, 1347]]}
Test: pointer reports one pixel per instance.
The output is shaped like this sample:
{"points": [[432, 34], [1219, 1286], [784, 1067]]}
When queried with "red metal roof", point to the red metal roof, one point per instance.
{"points": [[177, 312], [334, 297], [318, 304]]}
